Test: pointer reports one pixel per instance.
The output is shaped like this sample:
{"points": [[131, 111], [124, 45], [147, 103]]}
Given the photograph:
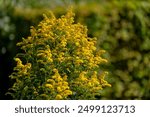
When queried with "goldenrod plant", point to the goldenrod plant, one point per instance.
{"points": [[58, 61]]}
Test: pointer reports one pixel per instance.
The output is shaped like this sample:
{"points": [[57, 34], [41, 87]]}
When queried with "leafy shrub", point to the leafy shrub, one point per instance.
{"points": [[58, 61]]}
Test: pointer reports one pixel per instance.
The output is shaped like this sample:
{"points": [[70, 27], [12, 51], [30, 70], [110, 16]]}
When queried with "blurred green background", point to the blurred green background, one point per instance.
{"points": [[122, 28]]}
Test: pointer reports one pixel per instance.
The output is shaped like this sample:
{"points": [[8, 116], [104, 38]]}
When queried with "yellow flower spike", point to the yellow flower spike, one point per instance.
{"points": [[33, 31], [51, 81], [49, 86], [77, 44], [59, 89], [70, 15], [51, 15], [59, 84], [84, 79], [95, 89], [28, 65], [82, 76], [55, 70], [19, 62], [59, 79], [50, 59], [94, 75], [66, 87], [65, 83], [65, 77], [58, 97], [67, 92], [90, 84], [95, 81], [102, 81]]}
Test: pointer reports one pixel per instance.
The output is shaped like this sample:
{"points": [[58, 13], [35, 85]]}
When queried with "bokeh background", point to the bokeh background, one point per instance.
{"points": [[122, 28]]}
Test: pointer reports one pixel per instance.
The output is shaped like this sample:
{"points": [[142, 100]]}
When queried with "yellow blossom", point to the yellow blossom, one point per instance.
{"points": [[59, 89], [49, 86], [67, 92], [58, 97]]}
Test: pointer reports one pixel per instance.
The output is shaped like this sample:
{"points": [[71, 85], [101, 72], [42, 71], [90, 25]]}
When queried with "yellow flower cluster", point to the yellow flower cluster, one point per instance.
{"points": [[22, 69], [93, 84], [65, 61], [59, 85], [45, 55]]}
